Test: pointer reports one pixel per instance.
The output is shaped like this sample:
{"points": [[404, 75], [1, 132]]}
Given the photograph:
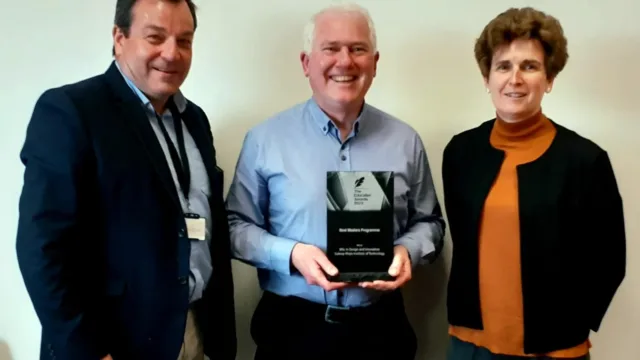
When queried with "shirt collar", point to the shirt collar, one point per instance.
{"points": [[178, 97], [325, 123]]}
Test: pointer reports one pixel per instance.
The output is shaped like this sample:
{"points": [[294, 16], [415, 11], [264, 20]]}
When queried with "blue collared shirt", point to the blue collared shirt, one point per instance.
{"points": [[278, 194], [200, 259]]}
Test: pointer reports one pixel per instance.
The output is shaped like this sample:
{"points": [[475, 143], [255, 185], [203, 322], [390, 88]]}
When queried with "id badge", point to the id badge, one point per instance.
{"points": [[196, 226]]}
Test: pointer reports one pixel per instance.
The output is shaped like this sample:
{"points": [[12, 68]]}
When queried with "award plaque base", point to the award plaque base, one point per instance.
{"points": [[361, 277], [360, 225]]}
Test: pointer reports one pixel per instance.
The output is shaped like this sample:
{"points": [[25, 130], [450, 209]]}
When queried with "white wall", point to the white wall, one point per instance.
{"points": [[246, 68]]}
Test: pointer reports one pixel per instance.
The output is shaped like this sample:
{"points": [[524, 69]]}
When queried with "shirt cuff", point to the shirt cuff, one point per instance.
{"points": [[414, 250], [279, 252]]}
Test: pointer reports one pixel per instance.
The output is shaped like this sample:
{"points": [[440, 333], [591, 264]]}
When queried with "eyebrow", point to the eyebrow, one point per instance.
{"points": [[163, 30], [333, 43], [525, 61]]}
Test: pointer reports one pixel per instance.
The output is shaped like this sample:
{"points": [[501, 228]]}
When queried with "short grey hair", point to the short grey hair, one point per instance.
{"points": [[348, 8]]}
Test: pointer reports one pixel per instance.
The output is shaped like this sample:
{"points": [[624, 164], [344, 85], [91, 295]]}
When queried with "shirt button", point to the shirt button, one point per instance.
{"points": [[182, 280], [181, 233], [343, 157]]}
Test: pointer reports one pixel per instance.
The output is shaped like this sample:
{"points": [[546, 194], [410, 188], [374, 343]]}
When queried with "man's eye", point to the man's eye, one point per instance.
{"points": [[154, 39]]}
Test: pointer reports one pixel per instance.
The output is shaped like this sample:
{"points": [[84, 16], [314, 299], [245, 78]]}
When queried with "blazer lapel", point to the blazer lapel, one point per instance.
{"points": [[129, 109]]}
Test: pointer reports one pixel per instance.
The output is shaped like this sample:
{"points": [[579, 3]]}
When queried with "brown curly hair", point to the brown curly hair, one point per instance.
{"points": [[523, 23]]}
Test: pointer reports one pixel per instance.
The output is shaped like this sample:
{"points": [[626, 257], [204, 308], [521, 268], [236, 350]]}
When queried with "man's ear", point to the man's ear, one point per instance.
{"points": [[304, 61], [376, 57], [118, 37]]}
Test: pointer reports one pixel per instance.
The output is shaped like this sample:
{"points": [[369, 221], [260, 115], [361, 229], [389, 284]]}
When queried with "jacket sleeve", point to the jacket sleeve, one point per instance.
{"points": [[448, 177], [218, 310], [54, 153], [608, 245]]}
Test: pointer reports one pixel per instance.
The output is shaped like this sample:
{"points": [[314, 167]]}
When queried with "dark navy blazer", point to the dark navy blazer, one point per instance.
{"points": [[102, 243]]}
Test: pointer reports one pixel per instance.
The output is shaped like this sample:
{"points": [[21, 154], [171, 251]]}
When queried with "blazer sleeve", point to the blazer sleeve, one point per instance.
{"points": [[448, 177], [54, 153], [608, 245], [218, 310]]}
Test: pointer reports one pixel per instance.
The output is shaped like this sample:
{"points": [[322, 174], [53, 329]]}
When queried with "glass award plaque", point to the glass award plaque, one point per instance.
{"points": [[360, 224]]}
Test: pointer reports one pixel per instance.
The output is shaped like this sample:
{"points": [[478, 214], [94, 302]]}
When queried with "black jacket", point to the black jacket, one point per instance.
{"points": [[101, 238], [573, 252]]}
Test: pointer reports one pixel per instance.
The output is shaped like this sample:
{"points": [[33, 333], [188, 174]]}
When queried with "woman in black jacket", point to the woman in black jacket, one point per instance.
{"points": [[534, 210]]}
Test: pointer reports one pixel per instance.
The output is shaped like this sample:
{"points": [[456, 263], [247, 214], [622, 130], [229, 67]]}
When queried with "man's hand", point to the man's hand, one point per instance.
{"points": [[313, 264], [400, 268]]}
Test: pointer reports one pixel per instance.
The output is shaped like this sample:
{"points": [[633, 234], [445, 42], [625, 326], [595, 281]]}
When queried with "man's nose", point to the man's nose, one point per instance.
{"points": [[344, 57], [170, 50]]}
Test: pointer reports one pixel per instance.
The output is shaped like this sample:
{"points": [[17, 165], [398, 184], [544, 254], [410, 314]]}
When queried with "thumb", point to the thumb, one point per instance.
{"points": [[394, 269], [326, 265]]}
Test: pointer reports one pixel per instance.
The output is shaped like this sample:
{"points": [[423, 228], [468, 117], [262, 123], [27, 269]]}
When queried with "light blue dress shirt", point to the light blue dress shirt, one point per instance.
{"points": [[278, 194], [200, 258]]}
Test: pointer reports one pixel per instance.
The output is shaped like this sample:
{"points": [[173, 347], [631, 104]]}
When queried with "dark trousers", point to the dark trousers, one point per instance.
{"points": [[293, 328], [461, 350]]}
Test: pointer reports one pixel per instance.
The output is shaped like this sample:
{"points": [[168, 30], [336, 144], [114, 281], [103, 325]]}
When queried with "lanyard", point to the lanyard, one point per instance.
{"points": [[181, 167]]}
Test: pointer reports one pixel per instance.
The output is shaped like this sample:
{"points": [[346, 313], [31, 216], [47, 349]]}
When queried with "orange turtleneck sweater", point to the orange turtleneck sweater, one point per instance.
{"points": [[499, 244]]}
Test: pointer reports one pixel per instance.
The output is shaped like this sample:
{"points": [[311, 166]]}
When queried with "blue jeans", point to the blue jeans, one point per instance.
{"points": [[461, 350]]}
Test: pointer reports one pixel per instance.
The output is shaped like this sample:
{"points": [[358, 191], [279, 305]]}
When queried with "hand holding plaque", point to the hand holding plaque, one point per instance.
{"points": [[313, 264], [400, 268]]}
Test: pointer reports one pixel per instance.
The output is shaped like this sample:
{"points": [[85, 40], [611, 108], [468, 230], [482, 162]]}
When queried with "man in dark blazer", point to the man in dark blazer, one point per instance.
{"points": [[123, 241]]}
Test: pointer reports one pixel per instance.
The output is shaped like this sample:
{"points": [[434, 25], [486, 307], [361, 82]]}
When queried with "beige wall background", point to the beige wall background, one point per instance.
{"points": [[246, 68]]}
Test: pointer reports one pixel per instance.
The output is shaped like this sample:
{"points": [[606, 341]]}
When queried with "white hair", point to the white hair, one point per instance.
{"points": [[347, 8]]}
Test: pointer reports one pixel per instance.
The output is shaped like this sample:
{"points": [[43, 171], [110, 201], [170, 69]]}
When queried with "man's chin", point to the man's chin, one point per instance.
{"points": [[346, 101], [165, 90]]}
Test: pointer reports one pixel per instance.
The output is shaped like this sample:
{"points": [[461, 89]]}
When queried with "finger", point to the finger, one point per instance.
{"points": [[408, 270], [328, 285], [336, 286], [403, 277], [316, 276], [384, 285], [326, 265], [373, 285], [380, 285], [396, 265]]}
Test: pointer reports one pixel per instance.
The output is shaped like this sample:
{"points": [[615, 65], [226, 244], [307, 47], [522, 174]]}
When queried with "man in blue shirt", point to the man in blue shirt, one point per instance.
{"points": [[277, 205]]}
